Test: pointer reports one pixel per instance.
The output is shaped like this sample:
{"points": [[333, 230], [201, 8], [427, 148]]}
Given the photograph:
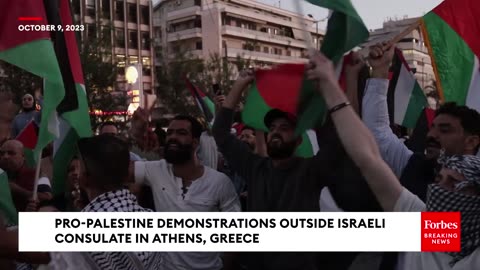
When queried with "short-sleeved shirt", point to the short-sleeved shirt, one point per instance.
{"points": [[212, 192], [408, 202]]}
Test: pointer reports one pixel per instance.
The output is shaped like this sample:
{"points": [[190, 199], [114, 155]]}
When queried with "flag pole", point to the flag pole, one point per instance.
{"points": [[303, 24], [37, 176], [395, 39]]}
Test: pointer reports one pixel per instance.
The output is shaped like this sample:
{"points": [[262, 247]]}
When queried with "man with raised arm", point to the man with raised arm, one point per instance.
{"points": [[281, 181], [456, 129], [457, 187]]}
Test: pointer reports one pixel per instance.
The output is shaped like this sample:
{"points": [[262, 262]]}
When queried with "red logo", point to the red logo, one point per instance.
{"points": [[441, 231]]}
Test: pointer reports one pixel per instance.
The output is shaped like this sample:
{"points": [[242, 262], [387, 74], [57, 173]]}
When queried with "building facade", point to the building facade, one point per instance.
{"points": [[131, 37], [265, 34], [412, 45]]}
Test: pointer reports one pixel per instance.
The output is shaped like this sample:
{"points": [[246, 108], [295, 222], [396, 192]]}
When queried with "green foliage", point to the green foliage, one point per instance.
{"points": [[100, 73], [204, 73], [18, 81]]}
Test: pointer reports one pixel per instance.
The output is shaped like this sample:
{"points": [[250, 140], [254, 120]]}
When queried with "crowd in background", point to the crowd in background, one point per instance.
{"points": [[362, 165]]}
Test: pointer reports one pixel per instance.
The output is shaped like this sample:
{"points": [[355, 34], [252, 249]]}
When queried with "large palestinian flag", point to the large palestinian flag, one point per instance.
{"points": [[73, 110], [34, 52], [279, 88], [452, 34]]}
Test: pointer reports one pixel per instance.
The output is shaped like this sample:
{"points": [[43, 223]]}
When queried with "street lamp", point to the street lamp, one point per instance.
{"points": [[316, 23]]}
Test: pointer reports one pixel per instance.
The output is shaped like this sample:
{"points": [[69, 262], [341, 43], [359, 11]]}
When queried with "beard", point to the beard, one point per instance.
{"points": [[180, 155], [281, 150]]}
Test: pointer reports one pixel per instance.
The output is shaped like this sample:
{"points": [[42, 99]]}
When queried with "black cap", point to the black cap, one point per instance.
{"points": [[276, 114]]}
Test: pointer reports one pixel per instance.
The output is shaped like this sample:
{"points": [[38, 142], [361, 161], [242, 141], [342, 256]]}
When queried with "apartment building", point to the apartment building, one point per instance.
{"points": [[131, 39], [412, 45], [265, 34]]}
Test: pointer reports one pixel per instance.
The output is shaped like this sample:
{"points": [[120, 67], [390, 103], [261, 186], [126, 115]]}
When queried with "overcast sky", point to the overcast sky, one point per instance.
{"points": [[373, 12]]}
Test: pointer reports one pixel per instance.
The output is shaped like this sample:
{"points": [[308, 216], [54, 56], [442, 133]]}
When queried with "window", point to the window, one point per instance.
{"points": [[106, 9], [90, 8], [257, 48], [132, 13], [119, 12], [289, 53], [198, 2], [133, 60], [91, 31], [198, 22], [265, 49], [119, 37], [120, 60], [277, 51], [132, 40], [145, 15], [76, 7], [146, 66], [198, 45], [145, 41]]}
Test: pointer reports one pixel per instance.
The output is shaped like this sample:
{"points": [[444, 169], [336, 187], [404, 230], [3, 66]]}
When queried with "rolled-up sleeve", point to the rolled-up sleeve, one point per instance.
{"points": [[140, 172], [375, 116]]}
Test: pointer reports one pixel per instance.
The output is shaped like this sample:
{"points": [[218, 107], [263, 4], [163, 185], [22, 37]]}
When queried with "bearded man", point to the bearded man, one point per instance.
{"points": [[179, 183]]}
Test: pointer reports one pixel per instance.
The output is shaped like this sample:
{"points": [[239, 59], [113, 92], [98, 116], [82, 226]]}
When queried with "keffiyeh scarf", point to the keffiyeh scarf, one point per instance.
{"points": [[114, 201], [467, 165], [440, 199]]}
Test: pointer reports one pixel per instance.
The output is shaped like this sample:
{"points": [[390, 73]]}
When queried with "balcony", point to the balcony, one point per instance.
{"points": [[266, 57], [190, 11], [262, 36], [184, 34]]}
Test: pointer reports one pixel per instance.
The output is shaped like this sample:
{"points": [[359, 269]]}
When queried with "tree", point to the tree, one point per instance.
{"points": [[18, 81], [100, 73], [174, 68]]}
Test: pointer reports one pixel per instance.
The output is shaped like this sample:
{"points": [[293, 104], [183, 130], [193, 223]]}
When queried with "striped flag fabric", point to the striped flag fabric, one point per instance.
{"points": [[34, 52], [204, 103], [74, 120], [7, 207], [452, 34], [409, 100], [345, 31], [29, 138]]}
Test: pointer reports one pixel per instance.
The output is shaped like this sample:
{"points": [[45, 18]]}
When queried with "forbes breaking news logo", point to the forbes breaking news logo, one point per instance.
{"points": [[441, 231]]}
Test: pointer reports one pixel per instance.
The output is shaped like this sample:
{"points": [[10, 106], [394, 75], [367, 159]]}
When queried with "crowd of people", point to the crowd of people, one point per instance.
{"points": [[361, 166]]}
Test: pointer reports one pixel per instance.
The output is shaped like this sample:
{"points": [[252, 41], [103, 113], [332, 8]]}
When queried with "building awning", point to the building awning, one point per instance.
{"points": [[184, 19], [300, 34], [246, 18]]}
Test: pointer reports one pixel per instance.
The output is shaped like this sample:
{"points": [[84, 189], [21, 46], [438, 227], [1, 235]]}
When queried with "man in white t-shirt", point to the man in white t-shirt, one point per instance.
{"points": [[457, 187], [180, 183]]}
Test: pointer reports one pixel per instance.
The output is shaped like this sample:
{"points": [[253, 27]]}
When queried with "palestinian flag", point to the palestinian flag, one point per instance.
{"points": [[29, 137], [204, 103], [408, 97], [278, 88], [452, 34], [73, 109], [34, 52], [345, 31], [7, 207]]}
